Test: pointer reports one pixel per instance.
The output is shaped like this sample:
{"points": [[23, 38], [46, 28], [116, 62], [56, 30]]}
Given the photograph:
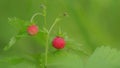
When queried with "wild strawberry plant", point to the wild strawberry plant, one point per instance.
{"points": [[58, 52]]}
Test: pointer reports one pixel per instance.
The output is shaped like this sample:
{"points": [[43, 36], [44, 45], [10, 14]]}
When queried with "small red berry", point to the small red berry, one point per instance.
{"points": [[32, 29], [58, 42]]}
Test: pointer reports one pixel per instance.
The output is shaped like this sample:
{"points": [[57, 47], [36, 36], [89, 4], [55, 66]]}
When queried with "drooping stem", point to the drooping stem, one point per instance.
{"points": [[32, 18]]}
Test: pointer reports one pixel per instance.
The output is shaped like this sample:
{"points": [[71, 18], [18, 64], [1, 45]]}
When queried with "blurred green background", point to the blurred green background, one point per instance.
{"points": [[91, 23]]}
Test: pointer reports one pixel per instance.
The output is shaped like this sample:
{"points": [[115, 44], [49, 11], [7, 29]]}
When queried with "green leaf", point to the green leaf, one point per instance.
{"points": [[21, 25], [104, 57], [14, 39], [10, 44], [16, 63], [12, 60], [63, 59], [76, 47], [18, 23], [40, 38]]}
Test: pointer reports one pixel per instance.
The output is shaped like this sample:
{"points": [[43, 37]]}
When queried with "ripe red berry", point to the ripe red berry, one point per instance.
{"points": [[58, 42], [32, 29]]}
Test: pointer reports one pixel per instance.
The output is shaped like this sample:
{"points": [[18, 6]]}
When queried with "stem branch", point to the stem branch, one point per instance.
{"points": [[47, 39]]}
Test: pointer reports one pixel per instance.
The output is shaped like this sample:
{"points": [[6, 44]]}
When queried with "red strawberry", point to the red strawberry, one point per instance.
{"points": [[58, 42], [32, 29]]}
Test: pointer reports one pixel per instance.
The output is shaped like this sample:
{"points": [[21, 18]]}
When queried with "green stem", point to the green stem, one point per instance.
{"points": [[48, 34], [46, 50], [56, 20], [47, 41], [44, 11], [47, 38], [32, 18]]}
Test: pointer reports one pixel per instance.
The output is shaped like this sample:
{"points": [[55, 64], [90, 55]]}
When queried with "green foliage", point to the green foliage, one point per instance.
{"points": [[21, 25], [18, 23], [91, 24], [16, 62], [104, 57], [70, 57], [64, 59], [11, 43]]}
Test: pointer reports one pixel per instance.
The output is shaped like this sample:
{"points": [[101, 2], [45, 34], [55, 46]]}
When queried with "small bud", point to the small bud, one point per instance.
{"points": [[65, 14], [43, 6]]}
